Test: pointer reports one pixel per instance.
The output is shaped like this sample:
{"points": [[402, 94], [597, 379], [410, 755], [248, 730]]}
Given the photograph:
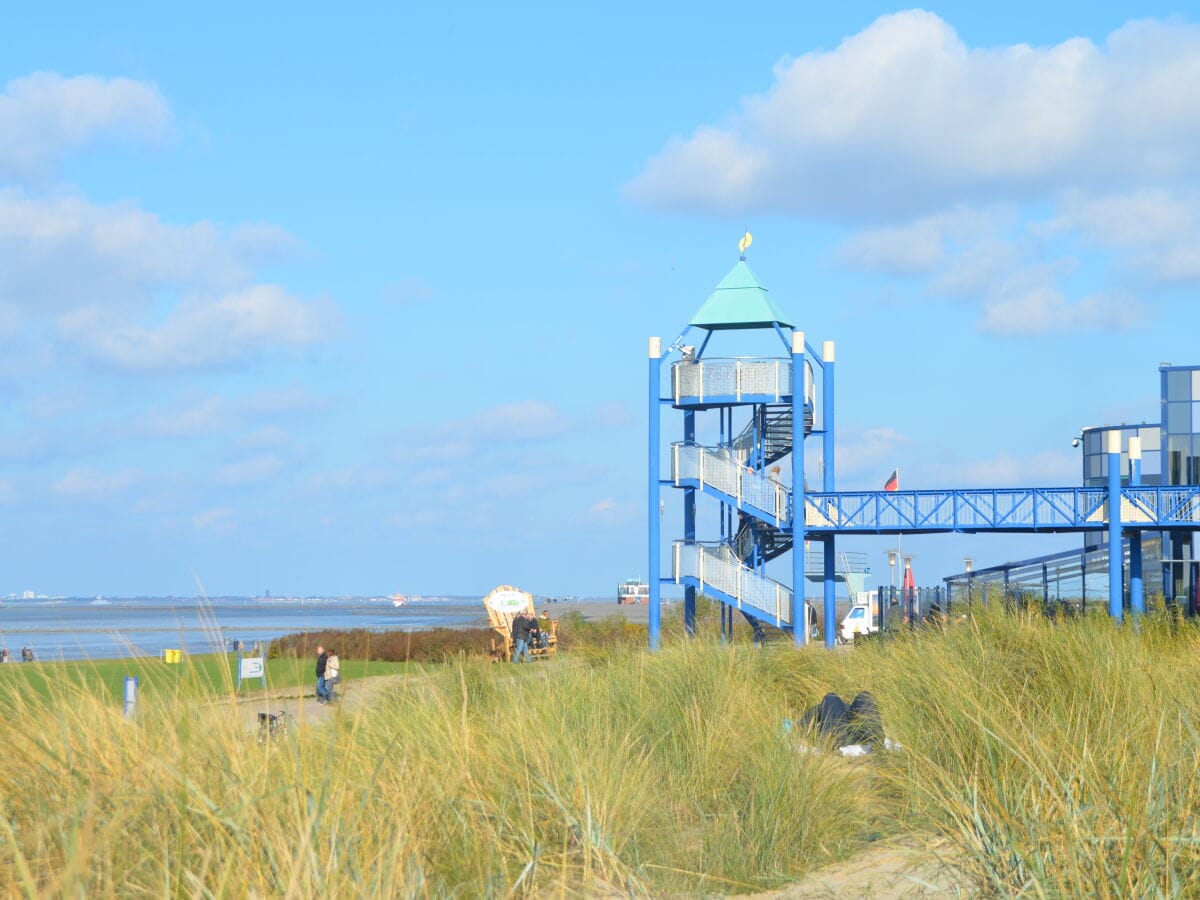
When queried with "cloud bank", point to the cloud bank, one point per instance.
{"points": [[903, 119]]}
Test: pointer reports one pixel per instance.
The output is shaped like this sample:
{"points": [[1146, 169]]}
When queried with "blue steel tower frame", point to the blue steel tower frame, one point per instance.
{"points": [[757, 512]]}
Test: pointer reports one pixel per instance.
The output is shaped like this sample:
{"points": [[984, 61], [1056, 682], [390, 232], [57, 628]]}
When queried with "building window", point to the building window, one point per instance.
{"points": [[1179, 385], [1179, 418]]}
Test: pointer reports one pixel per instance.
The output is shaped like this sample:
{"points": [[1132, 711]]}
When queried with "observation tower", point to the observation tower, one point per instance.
{"points": [[740, 447]]}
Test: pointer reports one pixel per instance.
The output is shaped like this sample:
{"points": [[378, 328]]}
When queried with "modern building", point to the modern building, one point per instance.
{"points": [[1169, 455]]}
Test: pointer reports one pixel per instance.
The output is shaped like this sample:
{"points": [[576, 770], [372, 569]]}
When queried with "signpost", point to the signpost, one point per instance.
{"points": [[251, 667]]}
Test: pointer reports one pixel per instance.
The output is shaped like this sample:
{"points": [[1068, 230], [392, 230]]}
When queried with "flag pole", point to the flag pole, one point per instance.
{"points": [[899, 555]]}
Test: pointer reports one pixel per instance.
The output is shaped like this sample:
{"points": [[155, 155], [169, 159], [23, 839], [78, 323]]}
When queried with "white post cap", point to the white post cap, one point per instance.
{"points": [[1135, 447], [798, 342], [655, 347], [827, 351], [1112, 441]]}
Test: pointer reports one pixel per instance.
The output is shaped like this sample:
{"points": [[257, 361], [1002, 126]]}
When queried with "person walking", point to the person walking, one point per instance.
{"points": [[322, 663], [522, 625], [333, 674]]}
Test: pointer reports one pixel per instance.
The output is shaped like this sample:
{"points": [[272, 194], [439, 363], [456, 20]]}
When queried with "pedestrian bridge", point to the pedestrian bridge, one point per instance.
{"points": [[1000, 509], [717, 472]]}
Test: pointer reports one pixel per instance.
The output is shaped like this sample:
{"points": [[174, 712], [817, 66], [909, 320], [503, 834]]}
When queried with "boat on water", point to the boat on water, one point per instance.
{"points": [[399, 600], [633, 590]]}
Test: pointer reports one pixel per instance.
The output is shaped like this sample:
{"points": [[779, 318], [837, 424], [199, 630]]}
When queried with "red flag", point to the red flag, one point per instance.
{"points": [[893, 482]]}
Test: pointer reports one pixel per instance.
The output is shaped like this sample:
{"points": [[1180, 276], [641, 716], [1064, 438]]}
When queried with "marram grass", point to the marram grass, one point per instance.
{"points": [[1053, 759]]}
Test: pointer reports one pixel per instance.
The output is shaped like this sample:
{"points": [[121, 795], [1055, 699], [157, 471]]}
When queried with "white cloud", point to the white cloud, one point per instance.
{"points": [[98, 272], [43, 116], [864, 449], [913, 248], [94, 486], [284, 401], [610, 513], [204, 417], [269, 437], [202, 333], [613, 414], [505, 425], [903, 118], [253, 470], [219, 518], [1050, 468], [62, 252], [1042, 310]]}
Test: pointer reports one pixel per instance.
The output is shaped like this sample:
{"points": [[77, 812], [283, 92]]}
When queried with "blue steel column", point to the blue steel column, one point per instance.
{"points": [[1115, 552], [689, 528], [799, 612], [830, 598], [1137, 596], [653, 522]]}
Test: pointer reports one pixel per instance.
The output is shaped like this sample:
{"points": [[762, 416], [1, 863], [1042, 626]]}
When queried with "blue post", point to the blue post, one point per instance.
{"points": [[689, 529], [652, 515], [799, 611], [131, 691], [1116, 590], [1137, 596], [830, 597]]}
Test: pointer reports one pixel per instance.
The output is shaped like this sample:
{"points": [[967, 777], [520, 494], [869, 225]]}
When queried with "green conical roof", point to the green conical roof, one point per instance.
{"points": [[739, 301]]}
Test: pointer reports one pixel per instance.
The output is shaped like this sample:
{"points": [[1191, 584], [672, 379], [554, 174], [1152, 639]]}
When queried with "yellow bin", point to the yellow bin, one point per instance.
{"points": [[173, 657]]}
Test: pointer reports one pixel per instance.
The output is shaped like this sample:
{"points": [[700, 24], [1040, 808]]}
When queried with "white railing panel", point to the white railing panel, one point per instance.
{"points": [[705, 378], [720, 469], [716, 566]]}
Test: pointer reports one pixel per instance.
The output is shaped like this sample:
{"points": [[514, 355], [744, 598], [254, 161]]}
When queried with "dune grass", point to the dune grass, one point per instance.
{"points": [[206, 674], [1055, 759]]}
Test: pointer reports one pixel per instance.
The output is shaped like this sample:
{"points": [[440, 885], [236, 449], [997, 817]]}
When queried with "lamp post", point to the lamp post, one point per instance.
{"points": [[892, 557], [910, 593], [968, 567]]}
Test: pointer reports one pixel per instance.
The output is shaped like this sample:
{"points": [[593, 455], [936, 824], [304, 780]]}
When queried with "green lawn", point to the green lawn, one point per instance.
{"points": [[205, 674]]}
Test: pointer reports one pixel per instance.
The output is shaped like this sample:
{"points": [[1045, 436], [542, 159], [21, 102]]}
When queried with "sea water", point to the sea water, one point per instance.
{"points": [[102, 629]]}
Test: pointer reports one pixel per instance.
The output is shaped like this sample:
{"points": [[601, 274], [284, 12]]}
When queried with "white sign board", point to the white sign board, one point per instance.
{"points": [[252, 667], [508, 601]]}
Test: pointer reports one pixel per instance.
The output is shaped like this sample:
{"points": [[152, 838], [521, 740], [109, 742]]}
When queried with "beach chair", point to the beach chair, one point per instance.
{"points": [[503, 605]]}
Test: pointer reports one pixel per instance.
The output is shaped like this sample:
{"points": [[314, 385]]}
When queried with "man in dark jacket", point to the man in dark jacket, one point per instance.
{"points": [[322, 690], [522, 626]]}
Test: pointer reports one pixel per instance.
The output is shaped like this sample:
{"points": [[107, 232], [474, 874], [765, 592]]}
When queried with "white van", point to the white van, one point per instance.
{"points": [[859, 620]]}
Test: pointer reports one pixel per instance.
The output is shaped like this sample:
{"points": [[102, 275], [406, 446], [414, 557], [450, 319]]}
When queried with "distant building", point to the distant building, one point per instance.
{"points": [[28, 595], [633, 590]]}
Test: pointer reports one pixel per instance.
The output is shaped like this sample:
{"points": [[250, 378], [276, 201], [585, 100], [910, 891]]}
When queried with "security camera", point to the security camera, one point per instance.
{"points": [[1074, 442]]}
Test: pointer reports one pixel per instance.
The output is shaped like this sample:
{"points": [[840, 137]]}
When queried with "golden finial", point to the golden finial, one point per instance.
{"points": [[746, 241]]}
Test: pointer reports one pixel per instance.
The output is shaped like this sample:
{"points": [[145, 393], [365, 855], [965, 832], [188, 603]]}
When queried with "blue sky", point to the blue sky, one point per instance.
{"points": [[318, 303]]}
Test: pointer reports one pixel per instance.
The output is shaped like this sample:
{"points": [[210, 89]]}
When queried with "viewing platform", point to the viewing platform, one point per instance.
{"points": [[704, 383]]}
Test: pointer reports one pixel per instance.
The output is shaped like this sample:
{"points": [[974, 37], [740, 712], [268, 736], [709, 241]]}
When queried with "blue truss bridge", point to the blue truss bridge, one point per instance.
{"points": [[718, 472]]}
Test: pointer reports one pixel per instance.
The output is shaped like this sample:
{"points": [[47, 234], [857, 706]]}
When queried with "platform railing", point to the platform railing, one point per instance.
{"points": [[719, 468], [699, 380], [715, 565]]}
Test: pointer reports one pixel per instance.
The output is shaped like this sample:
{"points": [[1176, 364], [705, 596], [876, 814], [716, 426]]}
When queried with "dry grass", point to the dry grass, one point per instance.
{"points": [[1056, 760]]}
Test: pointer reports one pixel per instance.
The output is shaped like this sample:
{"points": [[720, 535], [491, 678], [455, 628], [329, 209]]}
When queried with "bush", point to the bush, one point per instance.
{"points": [[432, 645]]}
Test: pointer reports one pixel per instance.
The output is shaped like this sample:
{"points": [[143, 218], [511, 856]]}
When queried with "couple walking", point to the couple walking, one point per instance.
{"points": [[328, 674]]}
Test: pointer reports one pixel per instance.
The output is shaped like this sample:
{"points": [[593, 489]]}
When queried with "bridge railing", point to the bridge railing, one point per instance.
{"points": [[999, 509], [716, 565], [718, 467]]}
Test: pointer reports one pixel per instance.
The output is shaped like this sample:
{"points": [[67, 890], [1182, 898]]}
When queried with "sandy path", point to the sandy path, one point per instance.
{"points": [[301, 704], [881, 872]]}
